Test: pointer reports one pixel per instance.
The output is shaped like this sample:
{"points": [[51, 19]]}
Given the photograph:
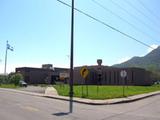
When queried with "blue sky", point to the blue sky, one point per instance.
{"points": [[39, 31]]}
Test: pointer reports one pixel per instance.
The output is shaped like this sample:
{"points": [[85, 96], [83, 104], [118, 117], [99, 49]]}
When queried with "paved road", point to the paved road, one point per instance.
{"points": [[17, 106]]}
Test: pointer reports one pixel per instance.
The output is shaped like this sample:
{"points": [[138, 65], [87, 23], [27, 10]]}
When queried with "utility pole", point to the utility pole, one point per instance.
{"points": [[71, 59]]}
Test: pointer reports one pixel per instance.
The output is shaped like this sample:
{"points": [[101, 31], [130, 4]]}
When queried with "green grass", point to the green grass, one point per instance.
{"points": [[105, 92], [8, 86]]}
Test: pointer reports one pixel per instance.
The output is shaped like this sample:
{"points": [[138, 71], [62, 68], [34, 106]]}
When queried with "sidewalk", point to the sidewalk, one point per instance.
{"points": [[50, 93]]}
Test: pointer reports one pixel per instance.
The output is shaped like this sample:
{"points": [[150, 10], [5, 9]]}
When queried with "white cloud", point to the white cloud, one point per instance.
{"points": [[123, 59], [153, 46]]}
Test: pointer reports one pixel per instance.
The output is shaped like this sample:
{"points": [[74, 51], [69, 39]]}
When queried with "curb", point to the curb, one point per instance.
{"points": [[106, 102], [138, 97], [89, 101]]}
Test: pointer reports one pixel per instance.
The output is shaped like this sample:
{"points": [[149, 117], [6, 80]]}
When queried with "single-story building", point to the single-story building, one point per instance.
{"points": [[45, 75], [111, 76], [103, 76]]}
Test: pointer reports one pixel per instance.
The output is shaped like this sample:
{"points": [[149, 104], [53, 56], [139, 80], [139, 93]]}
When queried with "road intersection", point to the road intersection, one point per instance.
{"points": [[18, 106]]}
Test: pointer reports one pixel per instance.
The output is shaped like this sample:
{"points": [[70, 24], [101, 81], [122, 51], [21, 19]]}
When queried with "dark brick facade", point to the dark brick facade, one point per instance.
{"points": [[43, 75], [36, 75], [111, 76]]}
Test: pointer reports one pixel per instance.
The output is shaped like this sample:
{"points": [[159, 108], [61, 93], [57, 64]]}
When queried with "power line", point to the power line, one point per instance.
{"points": [[135, 17], [129, 3], [105, 24], [132, 25], [152, 13]]}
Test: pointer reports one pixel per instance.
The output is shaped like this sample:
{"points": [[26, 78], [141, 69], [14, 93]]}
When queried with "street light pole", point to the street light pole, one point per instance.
{"points": [[71, 58]]}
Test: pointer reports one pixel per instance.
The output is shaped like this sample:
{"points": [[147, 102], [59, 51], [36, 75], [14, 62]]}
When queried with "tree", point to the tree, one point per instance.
{"points": [[15, 78], [2, 77]]}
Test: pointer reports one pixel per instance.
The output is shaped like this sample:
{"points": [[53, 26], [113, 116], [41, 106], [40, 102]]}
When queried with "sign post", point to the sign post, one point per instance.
{"points": [[99, 70], [84, 73], [63, 76], [123, 74]]}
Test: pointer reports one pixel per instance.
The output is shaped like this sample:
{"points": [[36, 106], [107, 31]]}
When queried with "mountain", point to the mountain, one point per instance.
{"points": [[149, 61]]}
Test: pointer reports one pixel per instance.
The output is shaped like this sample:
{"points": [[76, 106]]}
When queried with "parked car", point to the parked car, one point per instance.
{"points": [[157, 82], [22, 83]]}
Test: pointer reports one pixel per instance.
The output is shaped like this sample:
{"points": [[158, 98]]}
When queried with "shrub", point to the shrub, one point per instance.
{"points": [[15, 78], [3, 79]]}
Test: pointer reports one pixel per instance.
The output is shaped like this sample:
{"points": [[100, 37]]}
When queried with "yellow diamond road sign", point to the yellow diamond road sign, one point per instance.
{"points": [[84, 72]]}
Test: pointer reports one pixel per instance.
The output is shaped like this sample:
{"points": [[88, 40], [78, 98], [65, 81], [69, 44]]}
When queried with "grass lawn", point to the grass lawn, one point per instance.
{"points": [[105, 92], [8, 86]]}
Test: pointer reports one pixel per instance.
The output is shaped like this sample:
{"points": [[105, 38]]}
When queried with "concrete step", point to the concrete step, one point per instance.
{"points": [[51, 91]]}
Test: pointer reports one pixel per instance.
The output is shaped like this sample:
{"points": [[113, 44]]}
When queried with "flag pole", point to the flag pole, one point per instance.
{"points": [[5, 67]]}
